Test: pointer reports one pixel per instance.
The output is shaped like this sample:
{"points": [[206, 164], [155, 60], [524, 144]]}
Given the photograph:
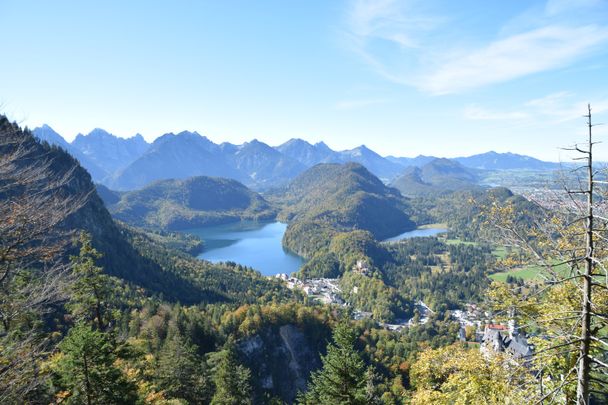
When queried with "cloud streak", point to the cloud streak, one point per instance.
{"points": [[554, 108], [406, 43], [513, 57]]}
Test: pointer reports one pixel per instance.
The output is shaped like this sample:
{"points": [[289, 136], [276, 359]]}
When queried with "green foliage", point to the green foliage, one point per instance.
{"points": [[341, 254], [90, 296], [371, 294], [85, 369], [441, 275], [191, 203], [464, 210], [320, 266], [343, 378], [181, 373], [232, 385], [330, 198]]}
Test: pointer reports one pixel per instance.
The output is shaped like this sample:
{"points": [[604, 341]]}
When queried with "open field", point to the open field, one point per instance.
{"points": [[459, 242], [532, 272]]}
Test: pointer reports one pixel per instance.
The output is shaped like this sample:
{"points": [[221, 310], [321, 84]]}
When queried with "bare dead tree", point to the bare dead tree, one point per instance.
{"points": [[569, 235], [34, 201], [584, 366]]}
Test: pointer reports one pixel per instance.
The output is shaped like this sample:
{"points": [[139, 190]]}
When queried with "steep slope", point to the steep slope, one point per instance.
{"points": [[438, 176], [173, 156], [109, 197], [48, 134], [379, 166], [505, 161], [310, 155], [264, 165], [331, 198], [127, 253], [307, 154], [197, 201], [108, 151], [119, 258]]}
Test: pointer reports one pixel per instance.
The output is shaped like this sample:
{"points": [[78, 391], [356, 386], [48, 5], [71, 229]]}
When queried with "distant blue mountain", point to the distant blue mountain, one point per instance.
{"points": [[437, 176], [307, 154], [505, 161], [48, 134], [126, 164], [108, 151], [174, 156], [418, 161], [310, 155]]}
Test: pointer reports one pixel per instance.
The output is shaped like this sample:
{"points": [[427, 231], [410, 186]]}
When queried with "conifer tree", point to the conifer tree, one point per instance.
{"points": [[343, 378], [84, 370], [232, 380], [181, 372], [90, 292]]}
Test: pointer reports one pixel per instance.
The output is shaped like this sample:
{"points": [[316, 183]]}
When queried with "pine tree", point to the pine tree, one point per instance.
{"points": [[90, 292], [85, 372], [344, 378], [181, 372], [232, 386]]}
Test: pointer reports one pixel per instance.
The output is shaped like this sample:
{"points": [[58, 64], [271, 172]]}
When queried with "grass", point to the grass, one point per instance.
{"points": [[532, 272], [459, 242]]}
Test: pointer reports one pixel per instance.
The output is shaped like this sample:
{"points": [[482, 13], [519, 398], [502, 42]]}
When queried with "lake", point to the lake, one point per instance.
{"points": [[250, 243], [416, 233]]}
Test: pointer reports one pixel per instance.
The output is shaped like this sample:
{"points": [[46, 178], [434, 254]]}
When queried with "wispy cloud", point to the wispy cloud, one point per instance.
{"points": [[516, 56], [565, 106], [553, 108], [345, 105], [406, 43]]}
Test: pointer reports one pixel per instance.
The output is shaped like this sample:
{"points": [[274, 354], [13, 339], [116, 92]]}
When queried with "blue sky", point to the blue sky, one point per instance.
{"points": [[403, 77]]}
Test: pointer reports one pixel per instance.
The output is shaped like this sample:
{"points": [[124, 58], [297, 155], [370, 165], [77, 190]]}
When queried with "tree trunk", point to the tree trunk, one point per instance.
{"points": [[584, 365], [86, 379]]}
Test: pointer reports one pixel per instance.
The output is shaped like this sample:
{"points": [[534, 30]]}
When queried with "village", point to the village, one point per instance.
{"points": [[476, 325]]}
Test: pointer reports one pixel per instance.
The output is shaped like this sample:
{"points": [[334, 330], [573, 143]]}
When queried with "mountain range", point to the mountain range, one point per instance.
{"points": [[133, 163]]}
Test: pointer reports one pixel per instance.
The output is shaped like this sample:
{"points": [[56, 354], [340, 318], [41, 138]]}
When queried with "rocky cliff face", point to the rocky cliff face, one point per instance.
{"points": [[281, 360]]}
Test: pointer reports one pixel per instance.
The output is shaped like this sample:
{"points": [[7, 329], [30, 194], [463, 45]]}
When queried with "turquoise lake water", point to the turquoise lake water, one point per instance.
{"points": [[258, 245], [254, 244]]}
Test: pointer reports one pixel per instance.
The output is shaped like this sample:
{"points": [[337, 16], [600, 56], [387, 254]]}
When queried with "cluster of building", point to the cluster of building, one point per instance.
{"points": [[558, 199], [493, 337], [326, 290]]}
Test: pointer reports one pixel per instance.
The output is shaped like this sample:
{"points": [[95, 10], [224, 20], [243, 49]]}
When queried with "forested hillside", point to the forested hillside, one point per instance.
{"points": [[331, 198], [190, 203], [435, 177]]}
